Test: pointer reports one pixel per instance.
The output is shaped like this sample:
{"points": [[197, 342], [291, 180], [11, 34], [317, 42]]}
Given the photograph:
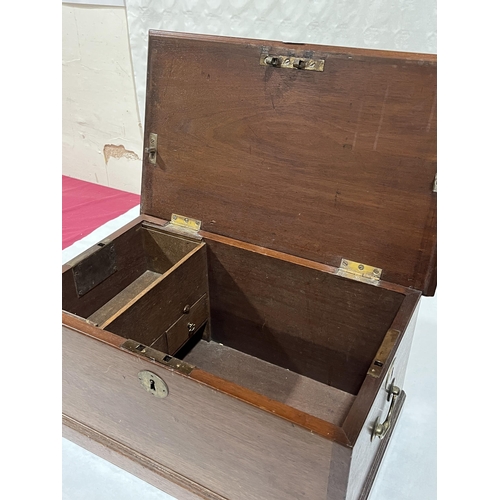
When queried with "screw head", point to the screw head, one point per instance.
{"points": [[186, 309], [361, 267]]}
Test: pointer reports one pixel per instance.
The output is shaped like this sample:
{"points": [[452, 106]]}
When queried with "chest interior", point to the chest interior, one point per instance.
{"points": [[290, 330]]}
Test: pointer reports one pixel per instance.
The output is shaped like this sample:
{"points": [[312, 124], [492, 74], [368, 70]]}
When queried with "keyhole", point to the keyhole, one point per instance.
{"points": [[153, 384]]}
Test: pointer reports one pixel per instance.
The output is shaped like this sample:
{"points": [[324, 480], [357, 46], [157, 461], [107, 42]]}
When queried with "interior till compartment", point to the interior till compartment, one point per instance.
{"points": [[134, 289]]}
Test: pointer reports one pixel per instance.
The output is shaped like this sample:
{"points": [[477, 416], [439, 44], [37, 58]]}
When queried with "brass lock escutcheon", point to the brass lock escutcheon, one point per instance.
{"points": [[153, 384], [380, 430]]}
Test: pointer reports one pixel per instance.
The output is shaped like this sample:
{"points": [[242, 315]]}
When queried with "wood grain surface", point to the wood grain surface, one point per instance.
{"points": [[232, 448], [180, 487], [130, 263], [276, 383], [158, 307], [321, 165], [138, 250], [310, 322], [120, 300]]}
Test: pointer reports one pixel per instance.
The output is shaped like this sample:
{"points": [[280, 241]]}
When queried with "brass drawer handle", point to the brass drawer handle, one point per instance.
{"points": [[380, 430]]}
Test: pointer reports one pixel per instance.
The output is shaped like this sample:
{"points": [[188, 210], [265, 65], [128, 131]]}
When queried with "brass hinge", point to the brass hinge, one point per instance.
{"points": [[185, 222], [435, 185], [359, 272]]}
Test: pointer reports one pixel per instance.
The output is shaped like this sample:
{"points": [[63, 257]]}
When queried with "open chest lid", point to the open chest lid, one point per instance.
{"points": [[325, 153]]}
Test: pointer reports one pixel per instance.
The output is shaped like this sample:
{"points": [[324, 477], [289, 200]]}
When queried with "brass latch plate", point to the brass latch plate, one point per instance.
{"points": [[292, 62], [157, 356], [152, 148], [359, 272], [185, 222], [383, 353]]}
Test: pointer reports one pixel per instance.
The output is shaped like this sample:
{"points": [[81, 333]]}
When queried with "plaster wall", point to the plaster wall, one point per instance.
{"points": [[102, 134]]}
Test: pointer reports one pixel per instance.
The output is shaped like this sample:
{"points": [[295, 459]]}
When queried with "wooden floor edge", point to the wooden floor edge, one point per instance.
{"points": [[135, 463], [372, 474]]}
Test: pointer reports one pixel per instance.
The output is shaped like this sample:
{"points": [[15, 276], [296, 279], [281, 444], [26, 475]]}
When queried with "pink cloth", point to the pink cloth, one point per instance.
{"points": [[87, 206]]}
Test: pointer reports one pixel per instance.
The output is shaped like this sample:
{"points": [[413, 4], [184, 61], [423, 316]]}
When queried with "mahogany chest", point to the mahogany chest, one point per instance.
{"points": [[247, 336]]}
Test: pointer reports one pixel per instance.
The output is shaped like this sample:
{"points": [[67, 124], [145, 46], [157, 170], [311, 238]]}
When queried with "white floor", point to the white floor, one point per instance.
{"points": [[408, 471]]}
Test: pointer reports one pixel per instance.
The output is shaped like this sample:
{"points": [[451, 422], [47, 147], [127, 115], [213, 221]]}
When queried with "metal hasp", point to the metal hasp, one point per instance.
{"points": [[153, 384], [292, 62], [359, 272], [152, 149]]}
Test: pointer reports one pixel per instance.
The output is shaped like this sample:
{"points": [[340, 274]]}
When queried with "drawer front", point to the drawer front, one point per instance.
{"points": [[192, 319], [230, 447]]}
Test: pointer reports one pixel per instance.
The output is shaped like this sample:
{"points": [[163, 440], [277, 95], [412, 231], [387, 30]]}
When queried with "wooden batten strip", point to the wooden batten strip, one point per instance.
{"points": [[292, 259], [83, 326], [268, 252]]}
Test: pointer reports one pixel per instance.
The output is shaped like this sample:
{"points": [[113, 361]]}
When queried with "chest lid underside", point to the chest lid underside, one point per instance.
{"points": [[320, 152]]}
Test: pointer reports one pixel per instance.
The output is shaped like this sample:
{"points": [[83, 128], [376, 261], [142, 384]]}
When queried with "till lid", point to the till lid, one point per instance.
{"points": [[325, 165]]}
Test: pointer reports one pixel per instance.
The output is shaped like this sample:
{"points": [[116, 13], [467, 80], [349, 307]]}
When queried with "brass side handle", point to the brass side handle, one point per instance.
{"points": [[380, 430]]}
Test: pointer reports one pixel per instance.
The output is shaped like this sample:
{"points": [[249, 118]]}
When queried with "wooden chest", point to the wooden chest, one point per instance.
{"points": [[247, 336]]}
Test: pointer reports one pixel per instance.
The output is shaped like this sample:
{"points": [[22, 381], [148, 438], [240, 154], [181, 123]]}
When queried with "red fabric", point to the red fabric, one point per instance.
{"points": [[87, 206]]}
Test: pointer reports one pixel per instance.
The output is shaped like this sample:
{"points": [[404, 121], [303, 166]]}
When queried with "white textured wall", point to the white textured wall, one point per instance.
{"points": [[405, 25], [102, 135]]}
